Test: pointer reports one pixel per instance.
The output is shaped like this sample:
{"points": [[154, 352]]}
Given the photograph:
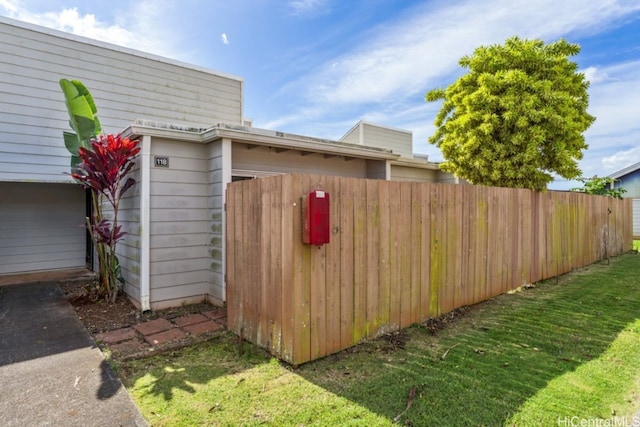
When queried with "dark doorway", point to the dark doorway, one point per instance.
{"points": [[89, 243]]}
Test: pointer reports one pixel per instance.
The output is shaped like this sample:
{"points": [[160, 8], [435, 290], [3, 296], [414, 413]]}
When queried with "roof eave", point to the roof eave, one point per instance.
{"points": [[629, 169], [297, 142], [415, 163], [257, 137]]}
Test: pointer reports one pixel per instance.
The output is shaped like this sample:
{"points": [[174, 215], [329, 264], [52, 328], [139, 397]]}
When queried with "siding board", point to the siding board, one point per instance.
{"points": [[264, 159], [41, 227]]}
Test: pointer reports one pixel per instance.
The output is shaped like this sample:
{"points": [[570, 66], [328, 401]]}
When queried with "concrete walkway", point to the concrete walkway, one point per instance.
{"points": [[51, 372]]}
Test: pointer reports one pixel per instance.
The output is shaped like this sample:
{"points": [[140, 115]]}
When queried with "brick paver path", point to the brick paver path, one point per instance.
{"points": [[146, 337]]}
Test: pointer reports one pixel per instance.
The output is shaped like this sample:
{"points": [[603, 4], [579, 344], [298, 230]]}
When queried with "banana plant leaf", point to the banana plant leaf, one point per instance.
{"points": [[83, 117]]}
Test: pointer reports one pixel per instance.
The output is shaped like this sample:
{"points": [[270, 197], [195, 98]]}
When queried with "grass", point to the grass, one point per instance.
{"points": [[566, 349]]}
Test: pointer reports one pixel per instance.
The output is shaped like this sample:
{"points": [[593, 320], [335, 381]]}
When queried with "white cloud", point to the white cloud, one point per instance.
{"points": [[224, 38], [595, 75], [622, 159], [614, 138], [419, 51], [146, 33], [614, 102], [10, 7], [305, 7]]}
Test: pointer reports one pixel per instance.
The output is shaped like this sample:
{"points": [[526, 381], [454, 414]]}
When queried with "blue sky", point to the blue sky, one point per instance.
{"points": [[316, 67]]}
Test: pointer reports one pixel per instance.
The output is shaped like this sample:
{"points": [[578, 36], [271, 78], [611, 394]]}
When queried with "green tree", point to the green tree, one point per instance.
{"points": [[601, 186], [517, 117]]}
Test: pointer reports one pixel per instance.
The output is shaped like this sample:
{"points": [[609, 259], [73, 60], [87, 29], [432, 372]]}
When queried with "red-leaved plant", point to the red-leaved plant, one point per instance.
{"points": [[103, 169]]}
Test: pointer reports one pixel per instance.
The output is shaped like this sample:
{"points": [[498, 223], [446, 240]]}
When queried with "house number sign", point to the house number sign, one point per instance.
{"points": [[161, 161]]}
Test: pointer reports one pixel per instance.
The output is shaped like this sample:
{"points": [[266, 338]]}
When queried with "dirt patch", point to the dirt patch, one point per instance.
{"points": [[436, 324], [99, 316], [393, 341]]}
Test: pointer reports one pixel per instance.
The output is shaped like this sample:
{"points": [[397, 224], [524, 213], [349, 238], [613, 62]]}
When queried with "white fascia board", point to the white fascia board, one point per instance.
{"points": [[227, 173], [180, 134], [629, 169], [145, 223]]}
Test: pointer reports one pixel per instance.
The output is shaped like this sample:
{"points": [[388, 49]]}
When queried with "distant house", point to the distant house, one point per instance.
{"points": [[407, 167], [195, 140], [629, 179]]}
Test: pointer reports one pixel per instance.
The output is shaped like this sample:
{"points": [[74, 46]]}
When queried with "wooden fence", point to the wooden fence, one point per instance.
{"points": [[400, 253]]}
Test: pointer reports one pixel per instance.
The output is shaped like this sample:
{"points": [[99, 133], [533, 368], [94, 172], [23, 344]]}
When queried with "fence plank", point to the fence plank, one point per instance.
{"points": [[404, 246], [425, 245], [497, 235], [234, 287], [386, 252], [415, 253], [491, 243], [515, 264], [454, 259], [372, 250], [274, 247], [478, 233], [333, 279], [394, 259], [288, 235], [347, 262], [265, 262], [249, 217], [301, 278], [468, 256], [360, 324], [436, 254], [525, 246]]}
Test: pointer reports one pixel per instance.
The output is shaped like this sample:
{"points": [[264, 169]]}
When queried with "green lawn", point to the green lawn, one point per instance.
{"points": [[531, 358]]}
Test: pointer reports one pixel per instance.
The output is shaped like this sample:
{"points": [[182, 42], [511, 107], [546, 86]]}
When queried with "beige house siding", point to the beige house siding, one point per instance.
{"points": [[266, 159], [126, 85], [399, 141], [447, 178], [396, 140], [404, 173], [128, 249], [354, 136], [377, 169], [179, 224]]}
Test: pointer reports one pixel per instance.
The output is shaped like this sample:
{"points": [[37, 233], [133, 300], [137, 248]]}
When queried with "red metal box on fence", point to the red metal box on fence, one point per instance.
{"points": [[315, 218]]}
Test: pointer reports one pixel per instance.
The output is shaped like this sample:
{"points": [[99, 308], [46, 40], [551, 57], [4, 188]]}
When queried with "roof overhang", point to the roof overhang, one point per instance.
{"points": [[415, 163], [629, 169], [257, 137]]}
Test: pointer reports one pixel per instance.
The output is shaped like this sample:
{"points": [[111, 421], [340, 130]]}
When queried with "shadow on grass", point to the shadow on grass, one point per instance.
{"points": [[500, 354], [482, 370], [182, 370]]}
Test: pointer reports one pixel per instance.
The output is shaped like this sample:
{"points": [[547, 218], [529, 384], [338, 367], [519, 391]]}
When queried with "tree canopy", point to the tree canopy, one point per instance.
{"points": [[517, 117]]}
